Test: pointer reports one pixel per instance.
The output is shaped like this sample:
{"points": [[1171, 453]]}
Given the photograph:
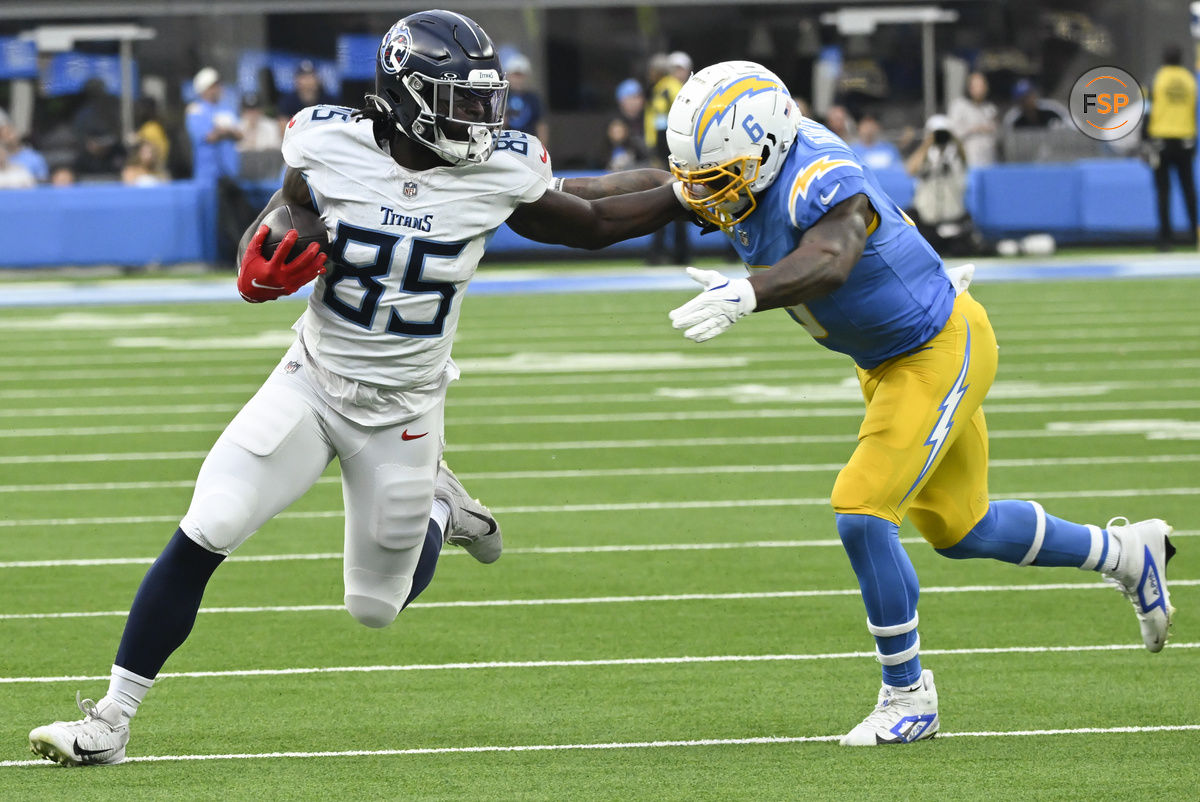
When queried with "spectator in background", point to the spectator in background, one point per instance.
{"points": [[20, 152], [1032, 110], [875, 152], [213, 129], [838, 120], [667, 74], [524, 111], [626, 151], [306, 91], [973, 121], [150, 127], [939, 169], [97, 123], [145, 166], [62, 176], [258, 132], [13, 176], [631, 106], [1172, 132]]}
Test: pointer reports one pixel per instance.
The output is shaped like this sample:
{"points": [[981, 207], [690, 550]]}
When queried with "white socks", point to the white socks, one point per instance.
{"points": [[440, 514], [127, 690]]}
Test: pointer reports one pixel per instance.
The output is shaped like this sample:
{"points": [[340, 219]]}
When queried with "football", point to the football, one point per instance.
{"points": [[307, 224]]}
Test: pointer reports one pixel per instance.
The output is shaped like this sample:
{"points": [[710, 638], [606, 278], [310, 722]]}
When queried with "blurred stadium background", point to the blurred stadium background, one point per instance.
{"points": [[99, 89]]}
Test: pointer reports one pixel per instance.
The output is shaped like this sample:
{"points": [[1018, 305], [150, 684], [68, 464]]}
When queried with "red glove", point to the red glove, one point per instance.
{"points": [[261, 279]]}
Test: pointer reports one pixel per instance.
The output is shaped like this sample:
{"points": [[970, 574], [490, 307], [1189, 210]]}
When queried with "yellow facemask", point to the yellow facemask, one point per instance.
{"points": [[721, 195]]}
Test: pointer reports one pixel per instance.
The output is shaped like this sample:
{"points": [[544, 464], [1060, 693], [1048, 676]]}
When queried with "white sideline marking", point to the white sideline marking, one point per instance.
{"points": [[613, 549], [630, 506], [616, 661], [673, 470], [762, 740], [676, 597]]}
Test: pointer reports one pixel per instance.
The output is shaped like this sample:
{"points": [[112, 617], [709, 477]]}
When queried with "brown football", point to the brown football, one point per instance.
{"points": [[307, 224]]}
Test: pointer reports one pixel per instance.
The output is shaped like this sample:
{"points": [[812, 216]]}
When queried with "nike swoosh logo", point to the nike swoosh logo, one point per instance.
{"points": [[825, 199], [491, 522], [404, 435], [254, 283], [545, 155], [79, 750]]}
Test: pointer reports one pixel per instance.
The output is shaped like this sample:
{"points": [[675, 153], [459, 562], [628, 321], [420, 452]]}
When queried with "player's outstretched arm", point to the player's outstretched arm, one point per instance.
{"points": [[560, 218], [594, 187], [822, 262]]}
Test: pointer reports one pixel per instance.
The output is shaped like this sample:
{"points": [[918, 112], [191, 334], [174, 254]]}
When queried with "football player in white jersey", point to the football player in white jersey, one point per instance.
{"points": [[410, 189]]}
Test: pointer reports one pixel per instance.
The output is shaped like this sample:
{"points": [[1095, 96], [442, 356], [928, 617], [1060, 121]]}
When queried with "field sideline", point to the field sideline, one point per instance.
{"points": [[674, 617]]}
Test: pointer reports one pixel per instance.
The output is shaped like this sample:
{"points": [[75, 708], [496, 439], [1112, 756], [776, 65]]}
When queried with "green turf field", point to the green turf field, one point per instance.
{"points": [[673, 617]]}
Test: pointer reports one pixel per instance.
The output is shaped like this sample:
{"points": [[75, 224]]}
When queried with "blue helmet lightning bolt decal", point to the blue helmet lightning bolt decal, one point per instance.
{"points": [[723, 100], [945, 422]]}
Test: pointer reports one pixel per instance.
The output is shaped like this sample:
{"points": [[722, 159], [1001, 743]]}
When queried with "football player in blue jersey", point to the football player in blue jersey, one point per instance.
{"points": [[823, 241]]}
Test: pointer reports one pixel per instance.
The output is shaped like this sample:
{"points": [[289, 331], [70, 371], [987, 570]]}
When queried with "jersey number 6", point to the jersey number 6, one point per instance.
{"points": [[368, 277]]}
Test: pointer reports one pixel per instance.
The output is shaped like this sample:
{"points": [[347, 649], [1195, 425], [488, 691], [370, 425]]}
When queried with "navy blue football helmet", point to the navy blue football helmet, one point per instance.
{"points": [[438, 79]]}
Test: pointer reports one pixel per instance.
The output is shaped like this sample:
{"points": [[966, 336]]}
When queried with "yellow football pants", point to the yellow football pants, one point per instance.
{"points": [[922, 447]]}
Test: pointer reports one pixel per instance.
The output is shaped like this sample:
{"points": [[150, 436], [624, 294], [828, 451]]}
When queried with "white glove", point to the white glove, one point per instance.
{"points": [[723, 301]]}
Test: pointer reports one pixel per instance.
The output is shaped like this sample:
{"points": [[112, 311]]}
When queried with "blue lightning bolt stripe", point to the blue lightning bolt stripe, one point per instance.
{"points": [[945, 422]]}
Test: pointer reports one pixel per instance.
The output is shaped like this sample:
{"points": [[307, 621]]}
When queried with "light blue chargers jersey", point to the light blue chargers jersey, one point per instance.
{"points": [[898, 295]]}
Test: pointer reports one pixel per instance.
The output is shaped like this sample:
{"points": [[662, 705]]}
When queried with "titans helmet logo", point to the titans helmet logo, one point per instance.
{"points": [[394, 50]]}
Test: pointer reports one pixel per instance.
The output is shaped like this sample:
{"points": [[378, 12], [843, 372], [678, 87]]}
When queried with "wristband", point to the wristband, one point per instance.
{"points": [[557, 184]]}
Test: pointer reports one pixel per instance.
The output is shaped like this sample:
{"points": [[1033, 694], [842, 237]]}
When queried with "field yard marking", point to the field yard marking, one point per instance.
{"points": [[676, 597], [615, 661], [753, 741], [629, 506], [620, 548], [1161, 429], [596, 473]]}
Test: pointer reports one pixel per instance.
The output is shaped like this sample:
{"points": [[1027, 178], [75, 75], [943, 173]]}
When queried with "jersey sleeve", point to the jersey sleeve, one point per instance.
{"points": [[294, 149], [822, 182], [530, 161]]}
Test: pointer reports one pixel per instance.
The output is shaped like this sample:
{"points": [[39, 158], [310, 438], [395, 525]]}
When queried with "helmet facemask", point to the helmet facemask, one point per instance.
{"points": [[458, 119], [720, 194]]}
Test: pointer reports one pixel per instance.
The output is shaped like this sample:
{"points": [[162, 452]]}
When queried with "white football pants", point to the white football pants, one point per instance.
{"points": [[277, 447]]}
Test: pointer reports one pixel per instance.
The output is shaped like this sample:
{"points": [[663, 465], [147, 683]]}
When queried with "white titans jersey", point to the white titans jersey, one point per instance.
{"points": [[405, 244]]}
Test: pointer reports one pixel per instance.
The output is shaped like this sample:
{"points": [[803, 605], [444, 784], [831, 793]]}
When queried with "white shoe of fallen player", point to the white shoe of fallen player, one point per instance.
{"points": [[899, 717], [97, 739], [471, 524], [1141, 574]]}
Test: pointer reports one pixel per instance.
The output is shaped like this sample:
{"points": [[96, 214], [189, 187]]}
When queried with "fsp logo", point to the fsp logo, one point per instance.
{"points": [[1106, 103]]}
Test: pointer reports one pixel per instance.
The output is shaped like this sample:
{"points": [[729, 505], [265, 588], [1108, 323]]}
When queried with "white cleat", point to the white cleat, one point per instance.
{"points": [[471, 524], [899, 717], [1141, 574], [98, 739]]}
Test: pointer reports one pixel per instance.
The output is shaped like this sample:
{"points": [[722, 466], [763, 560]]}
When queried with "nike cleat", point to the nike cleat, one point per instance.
{"points": [[899, 717], [471, 524], [99, 739], [1141, 574]]}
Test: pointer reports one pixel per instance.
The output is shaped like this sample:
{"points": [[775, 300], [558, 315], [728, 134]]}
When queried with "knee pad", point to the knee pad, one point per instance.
{"points": [[374, 600], [371, 612], [403, 501], [221, 513]]}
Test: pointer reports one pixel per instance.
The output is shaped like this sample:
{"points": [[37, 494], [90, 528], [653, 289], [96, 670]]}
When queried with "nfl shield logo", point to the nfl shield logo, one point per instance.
{"points": [[744, 238], [410, 189], [291, 367]]}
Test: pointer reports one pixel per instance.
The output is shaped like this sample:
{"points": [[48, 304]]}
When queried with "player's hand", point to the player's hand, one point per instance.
{"points": [[721, 304], [261, 279]]}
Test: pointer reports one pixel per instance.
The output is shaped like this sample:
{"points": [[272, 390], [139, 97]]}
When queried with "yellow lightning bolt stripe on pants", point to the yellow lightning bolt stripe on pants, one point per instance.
{"points": [[922, 447]]}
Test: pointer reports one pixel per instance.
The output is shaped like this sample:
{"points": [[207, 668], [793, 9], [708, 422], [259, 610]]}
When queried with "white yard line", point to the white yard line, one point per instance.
{"points": [[849, 409], [707, 742], [615, 661], [619, 548], [597, 473], [564, 445], [674, 597], [626, 506]]}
